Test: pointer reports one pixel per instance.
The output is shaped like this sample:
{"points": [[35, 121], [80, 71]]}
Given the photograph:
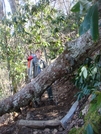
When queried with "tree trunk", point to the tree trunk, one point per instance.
{"points": [[12, 5], [1, 9], [74, 54]]}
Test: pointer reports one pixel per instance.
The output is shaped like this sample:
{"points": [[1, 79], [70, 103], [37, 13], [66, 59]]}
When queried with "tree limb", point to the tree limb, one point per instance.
{"points": [[38, 124]]}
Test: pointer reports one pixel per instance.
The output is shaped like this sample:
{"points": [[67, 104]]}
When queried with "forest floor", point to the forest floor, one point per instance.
{"points": [[64, 92]]}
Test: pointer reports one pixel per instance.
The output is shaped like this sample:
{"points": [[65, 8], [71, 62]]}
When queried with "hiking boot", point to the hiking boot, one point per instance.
{"points": [[36, 104], [51, 101]]}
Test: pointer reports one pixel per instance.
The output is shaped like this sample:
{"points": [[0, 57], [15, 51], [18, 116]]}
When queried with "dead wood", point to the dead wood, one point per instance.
{"points": [[69, 115], [38, 124]]}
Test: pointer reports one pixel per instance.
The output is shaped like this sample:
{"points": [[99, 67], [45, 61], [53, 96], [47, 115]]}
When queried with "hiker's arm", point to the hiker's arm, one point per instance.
{"points": [[44, 64]]}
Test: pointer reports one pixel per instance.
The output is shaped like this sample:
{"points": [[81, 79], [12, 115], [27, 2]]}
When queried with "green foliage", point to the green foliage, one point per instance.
{"points": [[94, 23], [76, 7], [91, 18], [33, 26], [88, 80], [91, 22], [92, 119], [89, 129], [81, 6], [88, 77], [85, 26], [12, 54]]}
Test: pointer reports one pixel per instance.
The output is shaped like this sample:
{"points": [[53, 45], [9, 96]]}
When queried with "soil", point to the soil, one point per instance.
{"points": [[63, 91]]}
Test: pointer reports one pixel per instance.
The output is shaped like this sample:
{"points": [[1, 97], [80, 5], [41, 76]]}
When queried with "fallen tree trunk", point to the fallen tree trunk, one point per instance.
{"points": [[74, 54], [50, 123], [38, 124]]}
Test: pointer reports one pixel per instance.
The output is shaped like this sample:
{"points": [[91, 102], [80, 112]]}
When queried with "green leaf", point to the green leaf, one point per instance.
{"points": [[91, 22], [93, 106], [89, 129], [95, 128], [94, 71], [99, 99], [94, 23], [85, 3], [93, 96], [80, 80], [84, 71], [85, 25], [76, 7]]}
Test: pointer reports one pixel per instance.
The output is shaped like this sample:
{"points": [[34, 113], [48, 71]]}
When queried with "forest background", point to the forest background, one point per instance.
{"points": [[40, 25], [25, 28]]}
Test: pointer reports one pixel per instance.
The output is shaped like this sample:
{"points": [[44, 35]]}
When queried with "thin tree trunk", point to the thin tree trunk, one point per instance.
{"points": [[1, 9], [12, 5], [75, 52]]}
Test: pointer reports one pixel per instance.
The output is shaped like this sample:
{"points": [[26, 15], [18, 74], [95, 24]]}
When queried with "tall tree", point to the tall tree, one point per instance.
{"points": [[12, 5], [1, 9]]}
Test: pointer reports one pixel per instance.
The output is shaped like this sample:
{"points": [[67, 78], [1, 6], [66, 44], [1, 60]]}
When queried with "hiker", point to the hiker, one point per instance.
{"points": [[36, 66], [29, 67]]}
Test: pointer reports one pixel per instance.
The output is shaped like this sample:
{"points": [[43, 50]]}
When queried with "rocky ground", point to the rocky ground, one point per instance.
{"points": [[64, 92]]}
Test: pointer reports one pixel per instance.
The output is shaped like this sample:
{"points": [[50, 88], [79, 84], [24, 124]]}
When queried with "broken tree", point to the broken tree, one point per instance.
{"points": [[75, 52]]}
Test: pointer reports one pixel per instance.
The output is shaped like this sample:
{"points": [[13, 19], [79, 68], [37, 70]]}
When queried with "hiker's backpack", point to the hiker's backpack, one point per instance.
{"points": [[29, 60]]}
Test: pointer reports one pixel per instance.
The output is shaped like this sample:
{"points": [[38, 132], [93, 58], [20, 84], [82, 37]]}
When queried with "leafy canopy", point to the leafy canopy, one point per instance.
{"points": [[90, 21]]}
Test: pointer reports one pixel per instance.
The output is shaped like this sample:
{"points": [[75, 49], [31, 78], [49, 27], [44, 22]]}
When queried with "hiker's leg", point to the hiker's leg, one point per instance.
{"points": [[50, 93], [36, 101]]}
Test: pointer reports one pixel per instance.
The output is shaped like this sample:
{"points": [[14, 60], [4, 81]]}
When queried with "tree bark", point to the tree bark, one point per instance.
{"points": [[12, 5], [1, 9], [74, 54]]}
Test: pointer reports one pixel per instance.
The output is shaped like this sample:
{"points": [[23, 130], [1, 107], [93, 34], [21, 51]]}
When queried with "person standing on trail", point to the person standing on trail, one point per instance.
{"points": [[36, 66]]}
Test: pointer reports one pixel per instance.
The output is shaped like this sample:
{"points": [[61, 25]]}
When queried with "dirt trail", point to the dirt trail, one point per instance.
{"points": [[63, 91]]}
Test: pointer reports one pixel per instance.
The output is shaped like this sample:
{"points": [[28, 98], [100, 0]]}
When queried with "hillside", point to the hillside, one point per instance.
{"points": [[63, 100]]}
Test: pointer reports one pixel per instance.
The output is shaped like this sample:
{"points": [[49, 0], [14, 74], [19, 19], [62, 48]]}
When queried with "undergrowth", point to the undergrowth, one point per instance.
{"points": [[88, 80]]}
